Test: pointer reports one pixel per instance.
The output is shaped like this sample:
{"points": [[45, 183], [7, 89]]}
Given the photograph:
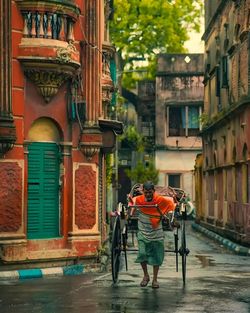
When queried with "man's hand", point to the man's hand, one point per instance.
{"points": [[132, 211]]}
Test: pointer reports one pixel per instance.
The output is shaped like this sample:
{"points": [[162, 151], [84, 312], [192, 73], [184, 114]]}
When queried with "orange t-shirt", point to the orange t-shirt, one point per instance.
{"points": [[165, 205]]}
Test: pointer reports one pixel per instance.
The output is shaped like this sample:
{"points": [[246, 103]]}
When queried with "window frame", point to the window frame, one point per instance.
{"points": [[187, 130], [174, 174]]}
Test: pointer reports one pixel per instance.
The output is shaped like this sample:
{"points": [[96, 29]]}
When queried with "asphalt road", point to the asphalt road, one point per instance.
{"points": [[217, 282]]}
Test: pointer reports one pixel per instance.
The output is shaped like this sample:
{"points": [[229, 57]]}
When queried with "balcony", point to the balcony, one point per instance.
{"points": [[47, 51], [108, 52]]}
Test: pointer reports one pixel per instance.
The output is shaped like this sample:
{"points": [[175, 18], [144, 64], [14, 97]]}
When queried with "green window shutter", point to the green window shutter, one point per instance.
{"points": [[114, 79], [43, 191], [113, 71]]}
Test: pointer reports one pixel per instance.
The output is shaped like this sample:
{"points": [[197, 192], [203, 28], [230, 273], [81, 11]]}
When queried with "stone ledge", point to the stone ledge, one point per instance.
{"points": [[69, 270], [236, 248]]}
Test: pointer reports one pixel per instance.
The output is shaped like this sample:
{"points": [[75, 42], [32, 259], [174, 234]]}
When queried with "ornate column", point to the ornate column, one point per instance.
{"points": [[91, 140], [93, 60], [7, 128]]}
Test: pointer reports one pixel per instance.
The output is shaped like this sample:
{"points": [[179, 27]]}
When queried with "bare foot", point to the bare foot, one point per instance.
{"points": [[145, 281], [155, 284]]}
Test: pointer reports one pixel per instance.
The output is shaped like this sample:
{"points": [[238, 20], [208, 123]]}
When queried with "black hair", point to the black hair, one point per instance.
{"points": [[148, 185]]}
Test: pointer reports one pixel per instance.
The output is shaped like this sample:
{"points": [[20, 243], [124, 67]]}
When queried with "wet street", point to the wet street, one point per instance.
{"points": [[217, 281]]}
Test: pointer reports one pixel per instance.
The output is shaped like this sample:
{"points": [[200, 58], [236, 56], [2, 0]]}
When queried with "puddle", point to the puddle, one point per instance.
{"points": [[205, 260]]}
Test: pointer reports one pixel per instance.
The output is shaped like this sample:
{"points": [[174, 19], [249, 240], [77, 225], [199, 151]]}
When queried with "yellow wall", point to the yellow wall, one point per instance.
{"points": [[44, 129]]}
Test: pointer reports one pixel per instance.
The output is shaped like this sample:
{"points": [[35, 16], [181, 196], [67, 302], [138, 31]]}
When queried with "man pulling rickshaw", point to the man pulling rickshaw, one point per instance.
{"points": [[154, 209]]}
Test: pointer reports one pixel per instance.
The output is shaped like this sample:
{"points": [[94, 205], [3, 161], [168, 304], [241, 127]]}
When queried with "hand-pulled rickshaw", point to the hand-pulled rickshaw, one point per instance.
{"points": [[122, 223]]}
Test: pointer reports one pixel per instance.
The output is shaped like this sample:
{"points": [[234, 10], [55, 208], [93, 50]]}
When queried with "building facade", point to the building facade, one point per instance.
{"points": [[178, 107], [222, 172], [55, 128]]}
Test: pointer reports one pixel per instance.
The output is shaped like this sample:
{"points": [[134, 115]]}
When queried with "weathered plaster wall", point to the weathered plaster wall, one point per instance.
{"points": [[181, 162], [226, 150]]}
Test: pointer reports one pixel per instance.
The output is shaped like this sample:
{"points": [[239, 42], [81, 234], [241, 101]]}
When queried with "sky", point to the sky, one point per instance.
{"points": [[195, 44]]}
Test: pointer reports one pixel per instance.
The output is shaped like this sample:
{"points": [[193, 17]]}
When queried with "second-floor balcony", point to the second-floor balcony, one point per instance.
{"points": [[47, 51]]}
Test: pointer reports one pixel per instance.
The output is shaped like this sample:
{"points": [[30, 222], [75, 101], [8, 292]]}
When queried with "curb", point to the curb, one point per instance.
{"points": [[39, 273], [238, 249]]}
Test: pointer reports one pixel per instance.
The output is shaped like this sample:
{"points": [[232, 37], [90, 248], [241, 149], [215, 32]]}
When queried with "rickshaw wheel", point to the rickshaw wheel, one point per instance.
{"points": [[116, 249], [183, 252]]}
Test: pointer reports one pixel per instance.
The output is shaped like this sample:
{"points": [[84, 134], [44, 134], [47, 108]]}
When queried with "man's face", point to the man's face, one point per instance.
{"points": [[148, 193]]}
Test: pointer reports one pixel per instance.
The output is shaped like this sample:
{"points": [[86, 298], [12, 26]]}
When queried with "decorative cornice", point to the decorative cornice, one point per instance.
{"points": [[48, 63], [63, 55], [47, 82], [7, 134], [222, 119], [89, 150], [90, 141]]}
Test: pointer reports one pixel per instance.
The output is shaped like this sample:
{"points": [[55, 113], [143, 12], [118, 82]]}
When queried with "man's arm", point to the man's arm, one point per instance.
{"points": [[166, 204], [131, 202]]}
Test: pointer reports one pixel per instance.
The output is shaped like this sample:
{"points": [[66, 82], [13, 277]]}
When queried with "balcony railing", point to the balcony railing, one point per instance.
{"points": [[47, 51], [48, 25]]}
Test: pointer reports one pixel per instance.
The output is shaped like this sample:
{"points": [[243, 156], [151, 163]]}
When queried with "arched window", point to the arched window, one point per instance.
{"points": [[44, 130]]}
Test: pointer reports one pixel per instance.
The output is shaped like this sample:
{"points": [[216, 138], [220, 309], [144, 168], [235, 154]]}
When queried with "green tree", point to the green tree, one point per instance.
{"points": [[141, 29], [133, 139], [109, 169], [142, 173]]}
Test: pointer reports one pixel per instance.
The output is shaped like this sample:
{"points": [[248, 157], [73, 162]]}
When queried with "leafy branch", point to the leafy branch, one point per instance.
{"points": [[133, 138], [142, 173]]}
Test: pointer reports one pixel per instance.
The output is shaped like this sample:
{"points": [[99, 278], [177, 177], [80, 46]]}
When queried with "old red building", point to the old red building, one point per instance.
{"points": [[55, 131], [223, 171]]}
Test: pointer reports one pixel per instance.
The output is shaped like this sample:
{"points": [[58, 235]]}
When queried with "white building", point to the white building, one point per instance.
{"points": [[178, 106]]}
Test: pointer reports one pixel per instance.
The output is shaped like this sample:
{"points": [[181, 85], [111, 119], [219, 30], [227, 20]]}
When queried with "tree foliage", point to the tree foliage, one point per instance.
{"points": [[142, 173], [133, 138], [143, 28], [109, 169]]}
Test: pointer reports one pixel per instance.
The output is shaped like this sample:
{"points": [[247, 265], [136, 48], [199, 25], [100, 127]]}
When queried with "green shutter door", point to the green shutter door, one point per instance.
{"points": [[43, 191]]}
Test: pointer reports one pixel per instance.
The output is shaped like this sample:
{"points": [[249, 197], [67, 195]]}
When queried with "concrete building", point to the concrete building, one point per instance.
{"points": [[222, 172], [178, 107], [55, 128], [139, 113], [168, 111]]}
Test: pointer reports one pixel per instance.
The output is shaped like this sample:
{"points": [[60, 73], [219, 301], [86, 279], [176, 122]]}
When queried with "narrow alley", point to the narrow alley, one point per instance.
{"points": [[217, 282]]}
